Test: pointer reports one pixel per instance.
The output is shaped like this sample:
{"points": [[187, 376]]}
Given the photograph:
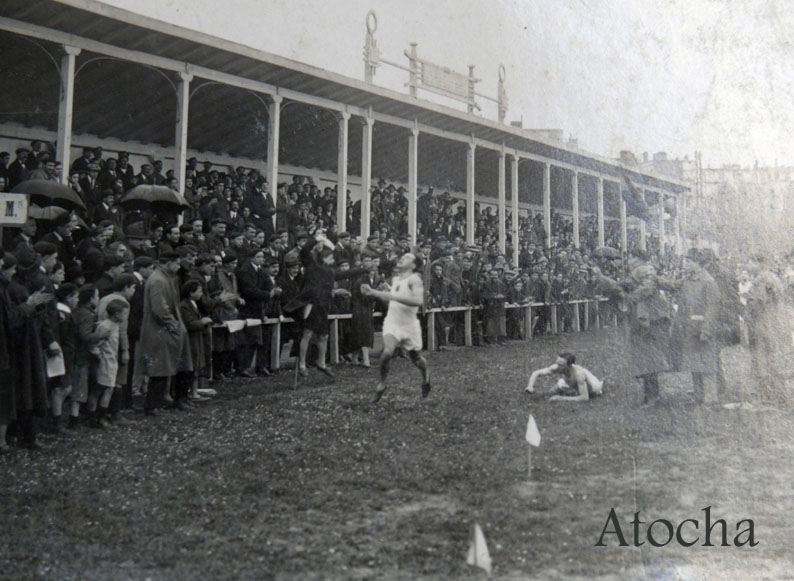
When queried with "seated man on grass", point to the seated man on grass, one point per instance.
{"points": [[575, 384]]}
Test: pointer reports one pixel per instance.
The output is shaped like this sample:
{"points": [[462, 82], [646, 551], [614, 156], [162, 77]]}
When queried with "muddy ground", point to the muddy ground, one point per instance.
{"points": [[266, 483]]}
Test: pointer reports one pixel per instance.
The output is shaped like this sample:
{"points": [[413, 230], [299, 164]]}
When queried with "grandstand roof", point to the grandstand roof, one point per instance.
{"points": [[114, 98]]}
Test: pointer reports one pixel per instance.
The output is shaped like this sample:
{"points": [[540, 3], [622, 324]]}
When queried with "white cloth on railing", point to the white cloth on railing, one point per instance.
{"points": [[234, 326]]}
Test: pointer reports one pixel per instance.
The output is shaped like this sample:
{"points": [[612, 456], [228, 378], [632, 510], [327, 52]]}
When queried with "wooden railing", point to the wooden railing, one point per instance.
{"points": [[578, 325]]}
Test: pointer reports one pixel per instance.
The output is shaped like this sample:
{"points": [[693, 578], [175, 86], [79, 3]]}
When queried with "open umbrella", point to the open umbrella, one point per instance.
{"points": [[47, 193], [153, 198], [606, 252], [49, 213]]}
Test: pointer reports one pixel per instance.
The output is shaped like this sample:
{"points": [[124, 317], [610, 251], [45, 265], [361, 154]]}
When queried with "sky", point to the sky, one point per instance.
{"points": [[657, 75]]}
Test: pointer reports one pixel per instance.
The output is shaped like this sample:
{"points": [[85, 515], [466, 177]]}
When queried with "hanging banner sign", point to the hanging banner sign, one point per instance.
{"points": [[445, 79]]}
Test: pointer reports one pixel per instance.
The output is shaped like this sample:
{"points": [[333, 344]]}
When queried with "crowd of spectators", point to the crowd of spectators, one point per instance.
{"points": [[76, 284]]}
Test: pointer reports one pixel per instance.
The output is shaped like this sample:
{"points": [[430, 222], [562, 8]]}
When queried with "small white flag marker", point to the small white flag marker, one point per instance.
{"points": [[533, 435], [478, 551]]}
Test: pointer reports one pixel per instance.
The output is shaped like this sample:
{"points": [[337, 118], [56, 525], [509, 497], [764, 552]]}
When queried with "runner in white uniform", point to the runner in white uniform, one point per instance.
{"points": [[401, 327]]}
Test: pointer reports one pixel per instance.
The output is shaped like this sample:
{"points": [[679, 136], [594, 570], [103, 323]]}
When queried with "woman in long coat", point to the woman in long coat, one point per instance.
{"points": [[649, 323], [21, 390], [164, 339], [694, 331], [363, 325]]}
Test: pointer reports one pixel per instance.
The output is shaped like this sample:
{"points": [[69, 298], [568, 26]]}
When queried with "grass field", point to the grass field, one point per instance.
{"points": [[266, 483]]}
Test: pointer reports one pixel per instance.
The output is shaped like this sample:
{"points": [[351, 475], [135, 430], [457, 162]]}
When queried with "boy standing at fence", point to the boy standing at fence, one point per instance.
{"points": [[107, 353]]}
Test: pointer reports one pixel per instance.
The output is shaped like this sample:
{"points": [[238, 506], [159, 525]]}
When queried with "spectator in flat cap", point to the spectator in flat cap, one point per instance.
{"points": [[214, 242], [113, 267], [25, 237]]}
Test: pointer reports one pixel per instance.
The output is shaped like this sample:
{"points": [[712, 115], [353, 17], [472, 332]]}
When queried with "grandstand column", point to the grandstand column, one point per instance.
{"points": [[502, 204], [514, 200], [661, 223], [341, 180], [547, 202], [679, 243], [470, 225], [624, 236], [273, 136], [366, 174], [682, 210], [601, 211], [575, 207], [180, 142], [65, 111], [643, 237], [413, 169]]}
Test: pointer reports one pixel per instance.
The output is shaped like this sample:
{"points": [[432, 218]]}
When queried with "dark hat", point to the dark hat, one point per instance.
{"points": [[45, 248], [97, 230], [229, 257], [9, 260], [136, 230], [291, 260], [185, 228], [270, 260], [124, 155], [143, 262], [301, 233], [373, 237], [168, 256], [187, 250], [215, 221], [342, 260], [27, 259], [205, 258], [343, 235], [122, 281], [113, 260], [282, 185], [105, 224], [235, 234], [107, 192], [63, 291], [22, 150]]}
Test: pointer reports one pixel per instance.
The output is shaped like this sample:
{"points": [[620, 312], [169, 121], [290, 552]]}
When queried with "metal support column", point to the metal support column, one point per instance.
{"points": [[65, 111], [502, 205], [273, 136], [366, 175], [413, 171], [470, 225], [341, 180]]}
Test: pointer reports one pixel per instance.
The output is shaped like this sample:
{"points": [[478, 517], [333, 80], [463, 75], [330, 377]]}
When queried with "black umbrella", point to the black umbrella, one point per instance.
{"points": [[153, 198], [47, 193], [50, 213], [606, 252]]}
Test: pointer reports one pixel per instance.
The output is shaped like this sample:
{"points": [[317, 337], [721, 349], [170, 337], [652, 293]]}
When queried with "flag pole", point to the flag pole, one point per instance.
{"points": [[529, 461]]}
